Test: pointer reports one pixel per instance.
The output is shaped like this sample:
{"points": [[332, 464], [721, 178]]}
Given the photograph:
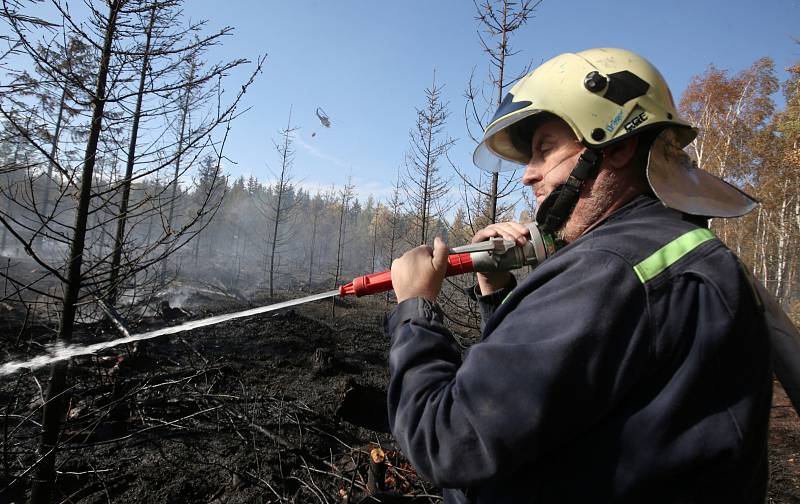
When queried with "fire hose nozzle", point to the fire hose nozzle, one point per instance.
{"points": [[496, 254], [376, 283]]}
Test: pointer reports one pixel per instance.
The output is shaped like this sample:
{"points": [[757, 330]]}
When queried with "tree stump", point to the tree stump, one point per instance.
{"points": [[376, 480]]}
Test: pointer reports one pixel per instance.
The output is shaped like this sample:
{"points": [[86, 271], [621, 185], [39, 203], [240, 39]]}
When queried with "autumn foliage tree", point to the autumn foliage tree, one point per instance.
{"points": [[744, 140]]}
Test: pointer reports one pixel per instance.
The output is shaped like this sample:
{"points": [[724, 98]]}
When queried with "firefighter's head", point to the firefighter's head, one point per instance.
{"points": [[614, 105], [554, 153]]}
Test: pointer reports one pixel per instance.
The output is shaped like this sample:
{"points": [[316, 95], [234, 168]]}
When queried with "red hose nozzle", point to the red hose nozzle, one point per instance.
{"points": [[375, 283]]}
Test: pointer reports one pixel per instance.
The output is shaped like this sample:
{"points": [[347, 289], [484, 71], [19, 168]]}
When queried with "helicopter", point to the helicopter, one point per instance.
{"points": [[324, 119]]}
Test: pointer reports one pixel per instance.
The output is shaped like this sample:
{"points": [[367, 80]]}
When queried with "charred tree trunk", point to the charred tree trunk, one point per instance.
{"points": [[428, 144], [493, 199], [283, 186], [392, 244], [54, 406], [395, 224], [342, 223], [346, 194], [274, 243], [426, 193], [501, 68], [126, 183], [272, 251], [499, 19], [375, 237]]}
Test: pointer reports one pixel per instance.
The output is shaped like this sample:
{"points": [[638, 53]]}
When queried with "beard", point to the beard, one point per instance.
{"points": [[598, 194]]}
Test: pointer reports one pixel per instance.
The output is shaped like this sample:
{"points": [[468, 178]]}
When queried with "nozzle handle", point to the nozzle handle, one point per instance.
{"points": [[375, 283]]}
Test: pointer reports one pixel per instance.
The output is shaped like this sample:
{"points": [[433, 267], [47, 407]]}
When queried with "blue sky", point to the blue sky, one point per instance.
{"points": [[367, 64]]}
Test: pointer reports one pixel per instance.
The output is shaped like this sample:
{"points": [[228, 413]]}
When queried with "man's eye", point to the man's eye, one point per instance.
{"points": [[540, 150]]}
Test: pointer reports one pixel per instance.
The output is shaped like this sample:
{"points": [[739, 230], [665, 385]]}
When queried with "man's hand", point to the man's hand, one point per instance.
{"points": [[490, 282], [420, 272]]}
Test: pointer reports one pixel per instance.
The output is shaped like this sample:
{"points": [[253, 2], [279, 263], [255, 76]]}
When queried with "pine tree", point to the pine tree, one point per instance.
{"points": [[425, 186]]}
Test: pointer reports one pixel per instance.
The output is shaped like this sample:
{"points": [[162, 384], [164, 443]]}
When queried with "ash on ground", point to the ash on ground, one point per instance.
{"points": [[284, 407]]}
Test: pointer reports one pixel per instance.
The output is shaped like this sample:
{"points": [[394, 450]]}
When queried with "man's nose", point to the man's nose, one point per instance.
{"points": [[532, 174]]}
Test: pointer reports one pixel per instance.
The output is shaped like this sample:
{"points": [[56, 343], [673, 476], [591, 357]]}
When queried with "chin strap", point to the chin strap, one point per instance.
{"points": [[559, 204]]}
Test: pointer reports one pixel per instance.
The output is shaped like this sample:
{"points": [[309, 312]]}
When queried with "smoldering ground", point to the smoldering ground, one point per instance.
{"points": [[278, 407], [273, 408]]}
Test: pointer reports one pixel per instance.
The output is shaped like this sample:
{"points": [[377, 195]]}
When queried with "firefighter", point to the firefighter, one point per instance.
{"points": [[630, 366]]}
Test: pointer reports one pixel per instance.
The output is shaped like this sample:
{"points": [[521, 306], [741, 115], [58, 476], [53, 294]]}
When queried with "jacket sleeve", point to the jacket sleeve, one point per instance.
{"points": [[569, 342], [487, 304]]}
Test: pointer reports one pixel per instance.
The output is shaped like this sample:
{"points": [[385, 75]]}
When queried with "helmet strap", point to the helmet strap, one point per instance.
{"points": [[559, 204]]}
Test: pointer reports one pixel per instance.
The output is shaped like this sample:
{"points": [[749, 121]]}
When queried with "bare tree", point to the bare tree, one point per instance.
{"points": [[281, 206], [345, 195], [119, 237], [86, 274], [375, 224], [54, 408], [425, 186], [498, 20], [394, 222]]}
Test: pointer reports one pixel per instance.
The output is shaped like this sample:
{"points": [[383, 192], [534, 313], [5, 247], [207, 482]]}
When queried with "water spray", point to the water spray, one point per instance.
{"points": [[495, 254]]}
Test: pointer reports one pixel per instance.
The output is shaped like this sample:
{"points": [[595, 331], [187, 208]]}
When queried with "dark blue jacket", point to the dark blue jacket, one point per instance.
{"points": [[632, 366]]}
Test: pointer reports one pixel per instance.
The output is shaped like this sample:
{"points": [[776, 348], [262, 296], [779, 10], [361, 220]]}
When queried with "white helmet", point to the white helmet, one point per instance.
{"points": [[606, 95]]}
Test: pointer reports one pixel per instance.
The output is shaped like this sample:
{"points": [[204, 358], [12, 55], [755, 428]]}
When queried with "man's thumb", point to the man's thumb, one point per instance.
{"points": [[439, 254]]}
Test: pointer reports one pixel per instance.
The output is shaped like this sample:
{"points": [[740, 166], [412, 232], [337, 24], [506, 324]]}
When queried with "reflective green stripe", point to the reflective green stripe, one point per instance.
{"points": [[669, 254], [506, 298]]}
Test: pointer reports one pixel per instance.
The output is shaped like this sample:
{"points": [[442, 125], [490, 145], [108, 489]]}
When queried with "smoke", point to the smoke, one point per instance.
{"points": [[11, 252], [179, 298]]}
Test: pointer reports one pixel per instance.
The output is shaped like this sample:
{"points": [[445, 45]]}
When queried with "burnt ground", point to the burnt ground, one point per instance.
{"points": [[282, 407], [784, 445]]}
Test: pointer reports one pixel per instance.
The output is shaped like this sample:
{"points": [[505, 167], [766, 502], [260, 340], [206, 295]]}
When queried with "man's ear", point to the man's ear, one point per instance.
{"points": [[621, 154]]}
